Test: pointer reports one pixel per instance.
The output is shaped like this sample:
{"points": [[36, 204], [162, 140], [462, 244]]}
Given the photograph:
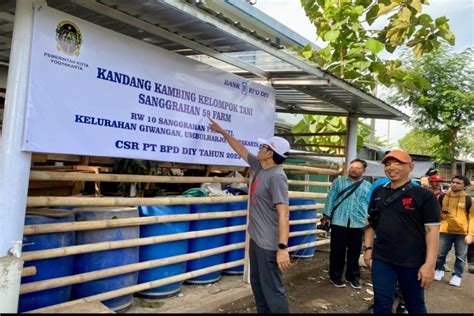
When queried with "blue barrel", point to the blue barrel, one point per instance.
{"points": [[298, 240], [163, 250], [47, 268], [235, 237], [204, 243], [94, 261]]}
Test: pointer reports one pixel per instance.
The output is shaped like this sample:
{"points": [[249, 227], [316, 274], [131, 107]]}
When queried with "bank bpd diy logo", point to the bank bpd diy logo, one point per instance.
{"points": [[68, 38]]}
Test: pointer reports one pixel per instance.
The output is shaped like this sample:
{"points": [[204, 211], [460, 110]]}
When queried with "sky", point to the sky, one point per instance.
{"points": [[461, 20]]}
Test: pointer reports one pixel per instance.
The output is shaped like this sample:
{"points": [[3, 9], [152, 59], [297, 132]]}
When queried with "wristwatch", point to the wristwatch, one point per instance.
{"points": [[282, 246], [365, 248]]}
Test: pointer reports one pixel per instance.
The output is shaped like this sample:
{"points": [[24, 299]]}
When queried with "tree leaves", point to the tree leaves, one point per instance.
{"points": [[374, 46], [352, 48], [416, 4], [372, 14], [331, 36], [444, 102]]}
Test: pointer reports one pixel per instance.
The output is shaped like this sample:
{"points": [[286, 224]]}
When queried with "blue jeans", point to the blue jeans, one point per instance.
{"points": [[385, 276], [446, 241]]}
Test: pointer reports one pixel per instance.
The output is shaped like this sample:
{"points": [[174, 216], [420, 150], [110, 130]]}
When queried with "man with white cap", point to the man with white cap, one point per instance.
{"points": [[406, 220], [268, 220]]}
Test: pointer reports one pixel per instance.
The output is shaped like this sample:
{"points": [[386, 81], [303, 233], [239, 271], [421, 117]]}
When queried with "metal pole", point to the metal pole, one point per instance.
{"points": [[351, 152], [14, 163], [372, 132], [388, 133]]}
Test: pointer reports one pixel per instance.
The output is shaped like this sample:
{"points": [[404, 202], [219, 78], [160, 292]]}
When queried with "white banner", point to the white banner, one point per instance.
{"points": [[96, 92]]}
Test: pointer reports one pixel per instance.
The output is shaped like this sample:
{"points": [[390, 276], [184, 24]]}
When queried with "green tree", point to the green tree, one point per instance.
{"points": [[353, 49], [419, 142], [445, 110]]}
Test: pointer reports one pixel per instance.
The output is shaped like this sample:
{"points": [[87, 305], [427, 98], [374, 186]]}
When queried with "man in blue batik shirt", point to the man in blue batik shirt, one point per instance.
{"points": [[347, 221]]}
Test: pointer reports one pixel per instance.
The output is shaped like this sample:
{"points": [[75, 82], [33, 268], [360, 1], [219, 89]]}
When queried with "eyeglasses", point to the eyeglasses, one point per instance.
{"points": [[264, 146]]}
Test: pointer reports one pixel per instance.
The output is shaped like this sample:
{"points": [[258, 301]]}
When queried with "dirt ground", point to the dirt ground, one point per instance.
{"points": [[310, 291]]}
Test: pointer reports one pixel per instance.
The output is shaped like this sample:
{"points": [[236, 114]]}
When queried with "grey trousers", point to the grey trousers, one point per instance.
{"points": [[267, 281]]}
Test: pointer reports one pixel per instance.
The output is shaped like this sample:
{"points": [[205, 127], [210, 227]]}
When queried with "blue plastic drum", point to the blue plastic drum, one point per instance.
{"points": [[163, 250], [205, 243], [94, 261], [298, 240], [235, 237], [47, 268]]}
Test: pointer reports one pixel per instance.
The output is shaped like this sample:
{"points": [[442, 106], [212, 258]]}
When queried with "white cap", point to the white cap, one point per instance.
{"points": [[277, 144]]}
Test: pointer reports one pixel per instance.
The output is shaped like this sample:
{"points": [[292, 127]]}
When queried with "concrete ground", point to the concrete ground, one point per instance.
{"points": [[196, 298]]}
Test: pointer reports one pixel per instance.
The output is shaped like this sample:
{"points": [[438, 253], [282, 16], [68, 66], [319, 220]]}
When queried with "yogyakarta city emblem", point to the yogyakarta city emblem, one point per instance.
{"points": [[68, 38]]}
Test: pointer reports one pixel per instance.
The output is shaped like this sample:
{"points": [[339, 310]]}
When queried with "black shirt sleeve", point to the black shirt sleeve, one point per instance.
{"points": [[430, 208]]}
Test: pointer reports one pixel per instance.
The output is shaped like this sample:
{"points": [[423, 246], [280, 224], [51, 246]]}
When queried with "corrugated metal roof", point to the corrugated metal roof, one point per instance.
{"points": [[192, 29]]}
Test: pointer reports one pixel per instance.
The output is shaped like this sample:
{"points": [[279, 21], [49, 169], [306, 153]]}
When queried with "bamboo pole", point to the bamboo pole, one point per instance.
{"points": [[100, 274], [137, 221], [310, 244], [104, 273], [308, 207], [109, 245], [333, 166], [141, 287], [28, 271], [81, 176], [246, 274], [314, 153], [36, 201], [310, 195], [307, 232], [293, 145], [305, 221], [313, 170], [310, 183], [165, 281], [124, 222]]}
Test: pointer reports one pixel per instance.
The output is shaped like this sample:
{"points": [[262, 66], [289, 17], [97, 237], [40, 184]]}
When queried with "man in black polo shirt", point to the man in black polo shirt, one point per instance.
{"points": [[407, 242]]}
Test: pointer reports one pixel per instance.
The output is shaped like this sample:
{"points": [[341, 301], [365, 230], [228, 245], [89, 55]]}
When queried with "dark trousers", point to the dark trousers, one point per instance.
{"points": [[384, 279], [470, 254], [266, 281], [345, 241]]}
